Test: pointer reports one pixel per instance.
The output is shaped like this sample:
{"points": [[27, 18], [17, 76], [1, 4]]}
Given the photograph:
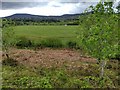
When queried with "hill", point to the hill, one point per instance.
{"points": [[39, 17]]}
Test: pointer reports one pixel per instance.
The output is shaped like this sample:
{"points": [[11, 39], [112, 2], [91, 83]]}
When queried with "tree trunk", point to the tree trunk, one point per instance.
{"points": [[102, 66]]}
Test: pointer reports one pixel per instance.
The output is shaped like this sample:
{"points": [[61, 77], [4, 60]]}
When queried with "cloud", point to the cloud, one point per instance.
{"points": [[45, 7], [19, 5], [47, 10], [44, 0], [55, 4]]}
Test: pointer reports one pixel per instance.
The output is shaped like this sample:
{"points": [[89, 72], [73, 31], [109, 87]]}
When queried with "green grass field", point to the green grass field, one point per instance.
{"points": [[43, 32]]}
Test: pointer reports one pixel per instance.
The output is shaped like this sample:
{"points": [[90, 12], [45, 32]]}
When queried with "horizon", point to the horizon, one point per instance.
{"points": [[48, 8], [45, 8], [40, 15]]}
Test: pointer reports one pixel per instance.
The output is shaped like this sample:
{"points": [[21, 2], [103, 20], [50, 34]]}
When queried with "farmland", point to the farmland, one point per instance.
{"points": [[44, 32], [45, 36]]}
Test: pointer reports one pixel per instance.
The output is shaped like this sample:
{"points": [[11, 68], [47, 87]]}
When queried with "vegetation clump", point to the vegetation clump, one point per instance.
{"points": [[10, 62], [52, 43], [23, 42], [99, 33]]}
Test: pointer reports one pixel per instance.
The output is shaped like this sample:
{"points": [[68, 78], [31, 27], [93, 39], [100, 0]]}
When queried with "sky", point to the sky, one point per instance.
{"points": [[44, 7]]}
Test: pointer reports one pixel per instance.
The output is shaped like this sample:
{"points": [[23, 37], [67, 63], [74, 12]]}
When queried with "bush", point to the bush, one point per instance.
{"points": [[38, 45], [33, 82], [10, 62], [71, 44], [24, 42], [53, 43]]}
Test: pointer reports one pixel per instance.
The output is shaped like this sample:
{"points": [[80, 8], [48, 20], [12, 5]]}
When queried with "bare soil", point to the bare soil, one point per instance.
{"points": [[50, 57]]}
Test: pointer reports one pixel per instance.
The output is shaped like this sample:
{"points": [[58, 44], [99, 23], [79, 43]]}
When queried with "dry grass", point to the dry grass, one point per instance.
{"points": [[50, 57]]}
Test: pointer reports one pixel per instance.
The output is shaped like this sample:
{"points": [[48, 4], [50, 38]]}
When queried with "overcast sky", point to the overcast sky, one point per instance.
{"points": [[44, 7]]}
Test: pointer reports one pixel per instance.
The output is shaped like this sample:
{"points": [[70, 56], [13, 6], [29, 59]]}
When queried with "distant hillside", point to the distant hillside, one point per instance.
{"points": [[38, 17]]}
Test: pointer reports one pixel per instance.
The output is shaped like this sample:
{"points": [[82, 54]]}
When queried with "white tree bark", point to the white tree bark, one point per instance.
{"points": [[102, 66]]}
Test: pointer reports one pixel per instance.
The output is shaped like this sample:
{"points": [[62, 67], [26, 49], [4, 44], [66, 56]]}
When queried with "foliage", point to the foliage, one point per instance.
{"points": [[7, 22], [25, 19], [42, 77], [23, 42], [99, 32], [53, 43], [0, 34], [72, 44], [10, 62], [34, 82], [7, 39]]}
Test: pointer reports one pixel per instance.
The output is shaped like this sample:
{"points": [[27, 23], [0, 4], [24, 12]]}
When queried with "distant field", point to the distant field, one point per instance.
{"points": [[36, 33]]}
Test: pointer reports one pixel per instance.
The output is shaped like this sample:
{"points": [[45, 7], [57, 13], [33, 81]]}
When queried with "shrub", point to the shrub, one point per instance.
{"points": [[33, 82], [10, 62], [38, 46], [71, 44], [53, 43], [7, 39], [99, 33], [23, 42]]}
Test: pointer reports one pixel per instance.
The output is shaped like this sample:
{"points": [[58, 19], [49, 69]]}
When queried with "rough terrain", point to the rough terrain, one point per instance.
{"points": [[50, 57]]}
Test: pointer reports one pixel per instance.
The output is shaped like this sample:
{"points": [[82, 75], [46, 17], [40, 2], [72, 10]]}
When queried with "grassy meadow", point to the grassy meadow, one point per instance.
{"points": [[44, 32], [46, 36]]}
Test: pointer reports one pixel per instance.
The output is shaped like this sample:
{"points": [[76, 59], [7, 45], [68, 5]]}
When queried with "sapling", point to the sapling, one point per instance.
{"points": [[99, 33]]}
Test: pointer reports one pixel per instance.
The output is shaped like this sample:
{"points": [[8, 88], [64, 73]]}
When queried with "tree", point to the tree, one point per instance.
{"points": [[0, 34], [99, 33], [7, 38], [118, 7]]}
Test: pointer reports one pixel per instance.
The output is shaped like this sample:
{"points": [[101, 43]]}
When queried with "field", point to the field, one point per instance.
{"points": [[54, 67], [36, 33]]}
